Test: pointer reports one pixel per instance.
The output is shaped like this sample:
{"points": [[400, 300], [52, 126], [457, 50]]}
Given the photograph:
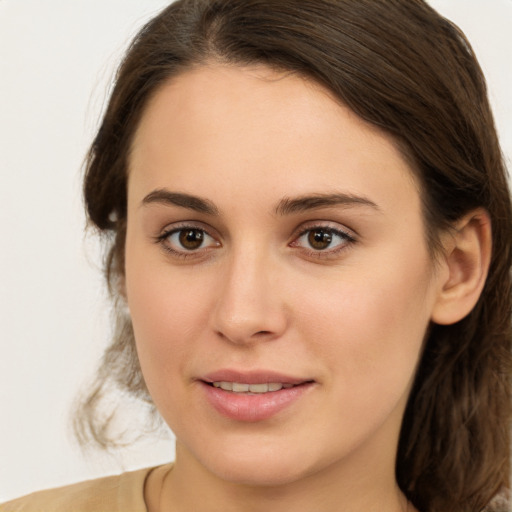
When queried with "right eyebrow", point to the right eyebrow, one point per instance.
{"points": [[166, 197]]}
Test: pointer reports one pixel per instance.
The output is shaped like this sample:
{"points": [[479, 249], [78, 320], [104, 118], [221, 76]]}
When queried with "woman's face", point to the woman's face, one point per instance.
{"points": [[277, 276]]}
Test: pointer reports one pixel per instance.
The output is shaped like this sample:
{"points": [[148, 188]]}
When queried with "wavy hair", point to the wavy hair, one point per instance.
{"points": [[402, 67]]}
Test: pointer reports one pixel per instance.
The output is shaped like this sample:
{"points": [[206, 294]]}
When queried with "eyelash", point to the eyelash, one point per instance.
{"points": [[184, 253], [346, 238]]}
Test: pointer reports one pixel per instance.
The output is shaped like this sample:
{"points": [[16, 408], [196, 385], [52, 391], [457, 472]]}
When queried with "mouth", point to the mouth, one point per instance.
{"points": [[252, 382], [252, 389], [252, 397]]}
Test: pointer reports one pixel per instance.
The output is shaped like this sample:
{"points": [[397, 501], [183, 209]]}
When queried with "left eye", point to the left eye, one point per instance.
{"points": [[188, 239], [322, 239]]}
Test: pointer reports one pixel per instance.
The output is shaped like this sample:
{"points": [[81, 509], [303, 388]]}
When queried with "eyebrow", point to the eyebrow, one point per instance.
{"points": [[288, 206], [166, 197]]}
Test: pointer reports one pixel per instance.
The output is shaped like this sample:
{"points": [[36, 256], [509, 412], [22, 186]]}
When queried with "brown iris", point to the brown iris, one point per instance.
{"points": [[191, 238], [320, 239]]}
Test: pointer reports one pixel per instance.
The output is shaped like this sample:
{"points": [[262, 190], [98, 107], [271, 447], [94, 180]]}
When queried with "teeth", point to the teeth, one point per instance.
{"points": [[258, 388], [238, 387]]}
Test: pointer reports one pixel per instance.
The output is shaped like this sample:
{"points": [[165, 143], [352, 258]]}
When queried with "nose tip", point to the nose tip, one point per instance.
{"points": [[242, 334], [249, 322], [249, 307]]}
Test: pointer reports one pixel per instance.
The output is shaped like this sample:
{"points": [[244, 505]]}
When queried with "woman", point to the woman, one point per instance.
{"points": [[310, 227]]}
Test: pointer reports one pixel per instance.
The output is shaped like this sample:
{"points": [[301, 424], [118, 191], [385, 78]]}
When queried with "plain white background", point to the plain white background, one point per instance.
{"points": [[57, 58]]}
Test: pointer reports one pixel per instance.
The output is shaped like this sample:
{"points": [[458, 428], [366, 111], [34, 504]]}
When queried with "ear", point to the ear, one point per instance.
{"points": [[465, 264]]}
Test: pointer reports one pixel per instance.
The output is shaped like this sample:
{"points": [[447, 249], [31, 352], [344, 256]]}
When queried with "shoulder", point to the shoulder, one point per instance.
{"points": [[119, 493]]}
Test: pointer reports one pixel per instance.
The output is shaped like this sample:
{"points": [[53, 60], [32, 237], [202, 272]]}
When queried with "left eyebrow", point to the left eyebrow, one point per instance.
{"points": [[288, 206]]}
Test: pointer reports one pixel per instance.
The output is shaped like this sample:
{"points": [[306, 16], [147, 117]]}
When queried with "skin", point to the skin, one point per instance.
{"points": [[256, 295]]}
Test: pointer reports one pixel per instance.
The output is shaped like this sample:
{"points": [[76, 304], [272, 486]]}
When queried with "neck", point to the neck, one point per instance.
{"points": [[348, 486]]}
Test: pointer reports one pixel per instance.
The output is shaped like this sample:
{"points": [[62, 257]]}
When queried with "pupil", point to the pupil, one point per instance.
{"points": [[191, 239], [320, 239]]}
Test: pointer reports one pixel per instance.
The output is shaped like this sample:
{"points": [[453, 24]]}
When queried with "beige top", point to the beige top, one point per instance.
{"points": [[125, 493], [120, 493]]}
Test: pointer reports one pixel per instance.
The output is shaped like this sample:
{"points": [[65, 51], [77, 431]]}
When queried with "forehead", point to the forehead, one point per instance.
{"points": [[246, 128]]}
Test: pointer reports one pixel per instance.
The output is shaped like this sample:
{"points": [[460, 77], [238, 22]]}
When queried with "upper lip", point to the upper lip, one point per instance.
{"points": [[252, 377]]}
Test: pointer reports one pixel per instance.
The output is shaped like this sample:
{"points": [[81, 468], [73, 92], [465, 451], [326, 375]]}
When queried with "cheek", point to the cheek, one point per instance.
{"points": [[369, 327], [168, 313], [370, 341]]}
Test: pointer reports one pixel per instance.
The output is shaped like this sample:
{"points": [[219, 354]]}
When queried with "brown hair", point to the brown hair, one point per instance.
{"points": [[402, 67]]}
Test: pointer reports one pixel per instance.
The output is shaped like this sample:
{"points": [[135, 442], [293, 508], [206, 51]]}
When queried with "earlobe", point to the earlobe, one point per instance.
{"points": [[465, 262]]}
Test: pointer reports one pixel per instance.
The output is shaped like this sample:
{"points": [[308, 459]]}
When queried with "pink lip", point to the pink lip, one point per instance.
{"points": [[256, 407]]}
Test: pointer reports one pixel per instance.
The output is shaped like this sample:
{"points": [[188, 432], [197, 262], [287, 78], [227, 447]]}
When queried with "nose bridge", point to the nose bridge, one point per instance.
{"points": [[249, 306]]}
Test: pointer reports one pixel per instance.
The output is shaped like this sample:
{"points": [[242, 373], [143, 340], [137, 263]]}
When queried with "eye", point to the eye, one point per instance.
{"points": [[190, 239], [186, 240], [319, 239], [325, 239]]}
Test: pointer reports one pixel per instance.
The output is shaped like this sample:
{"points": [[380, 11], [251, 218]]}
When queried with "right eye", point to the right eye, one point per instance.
{"points": [[187, 240]]}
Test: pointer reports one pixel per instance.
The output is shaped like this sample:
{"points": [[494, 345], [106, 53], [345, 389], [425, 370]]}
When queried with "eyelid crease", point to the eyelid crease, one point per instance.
{"points": [[346, 235], [329, 225], [183, 253], [168, 231], [335, 231], [348, 238]]}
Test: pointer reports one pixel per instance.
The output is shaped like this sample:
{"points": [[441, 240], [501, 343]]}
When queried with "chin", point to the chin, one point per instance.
{"points": [[261, 466]]}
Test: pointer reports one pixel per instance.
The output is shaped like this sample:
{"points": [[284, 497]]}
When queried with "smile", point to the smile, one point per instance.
{"points": [[239, 387], [253, 396]]}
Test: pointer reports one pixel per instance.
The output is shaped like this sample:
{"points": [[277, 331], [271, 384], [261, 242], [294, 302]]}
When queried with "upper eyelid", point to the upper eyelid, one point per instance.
{"points": [[324, 224], [296, 233], [162, 237], [338, 232], [162, 240], [178, 226], [348, 240]]}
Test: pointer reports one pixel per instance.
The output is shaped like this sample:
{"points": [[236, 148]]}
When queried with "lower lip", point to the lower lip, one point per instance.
{"points": [[256, 407]]}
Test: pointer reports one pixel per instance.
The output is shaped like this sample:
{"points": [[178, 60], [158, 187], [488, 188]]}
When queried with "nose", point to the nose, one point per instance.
{"points": [[250, 305]]}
